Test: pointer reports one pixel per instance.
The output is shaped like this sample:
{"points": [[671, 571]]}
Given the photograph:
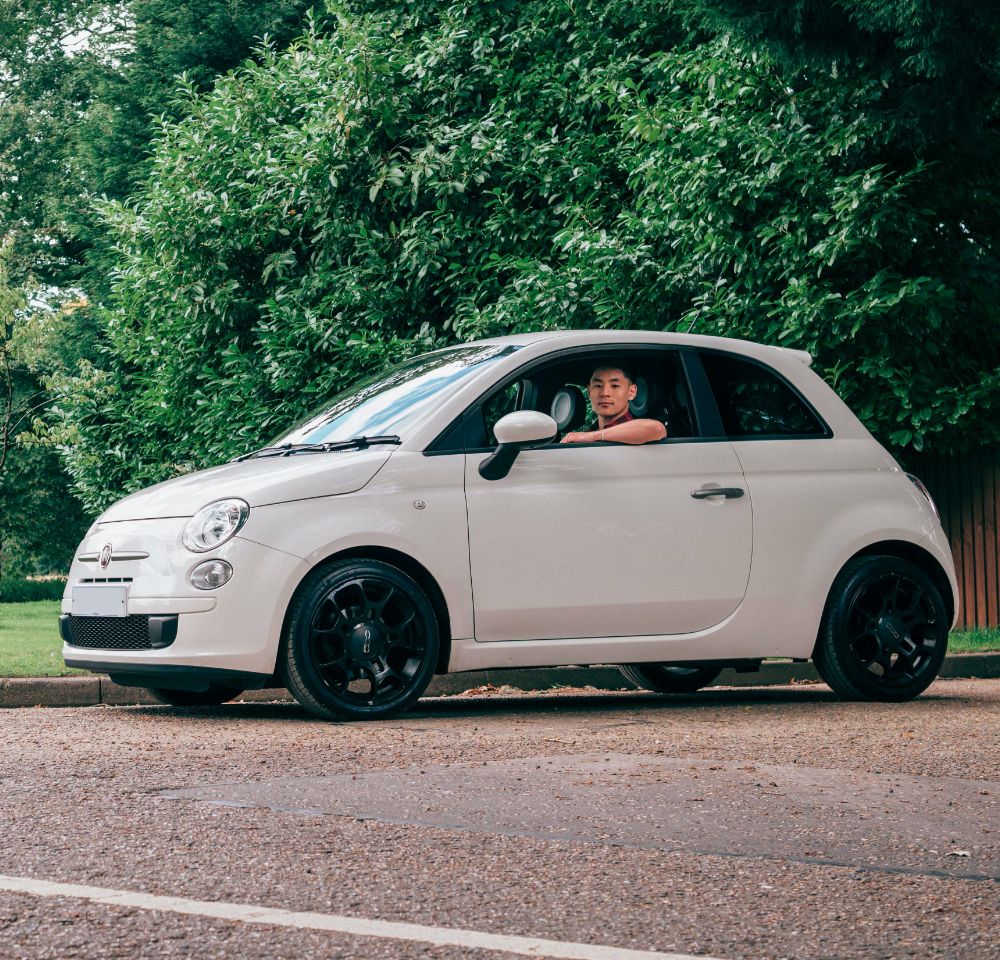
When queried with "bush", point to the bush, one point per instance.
{"points": [[433, 172], [25, 591]]}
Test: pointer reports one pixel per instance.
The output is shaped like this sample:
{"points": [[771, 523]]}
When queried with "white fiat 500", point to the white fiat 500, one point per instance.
{"points": [[428, 520]]}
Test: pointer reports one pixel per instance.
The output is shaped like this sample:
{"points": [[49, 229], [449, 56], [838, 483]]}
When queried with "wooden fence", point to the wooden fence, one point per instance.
{"points": [[966, 488]]}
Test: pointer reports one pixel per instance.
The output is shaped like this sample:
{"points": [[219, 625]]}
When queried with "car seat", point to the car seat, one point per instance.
{"points": [[568, 408], [641, 403], [677, 413]]}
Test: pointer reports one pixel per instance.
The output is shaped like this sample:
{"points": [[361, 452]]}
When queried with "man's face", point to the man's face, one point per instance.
{"points": [[610, 391]]}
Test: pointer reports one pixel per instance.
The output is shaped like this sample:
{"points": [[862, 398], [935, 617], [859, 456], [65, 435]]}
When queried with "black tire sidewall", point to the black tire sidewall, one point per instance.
{"points": [[298, 660], [214, 696], [836, 661], [658, 677]]}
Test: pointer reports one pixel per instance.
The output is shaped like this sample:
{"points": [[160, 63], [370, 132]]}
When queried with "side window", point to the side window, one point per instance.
{"points": [[754, 402], [558, 387]]}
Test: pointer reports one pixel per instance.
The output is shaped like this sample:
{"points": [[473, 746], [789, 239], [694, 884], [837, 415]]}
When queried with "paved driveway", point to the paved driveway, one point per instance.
{"points": [[729, 824]]}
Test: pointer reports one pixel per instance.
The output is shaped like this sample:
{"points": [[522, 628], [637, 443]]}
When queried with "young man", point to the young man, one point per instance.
{"points": [[610, 389]]}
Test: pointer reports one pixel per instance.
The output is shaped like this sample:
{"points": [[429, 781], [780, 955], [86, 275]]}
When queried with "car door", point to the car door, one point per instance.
{"points": [[608, 540]]}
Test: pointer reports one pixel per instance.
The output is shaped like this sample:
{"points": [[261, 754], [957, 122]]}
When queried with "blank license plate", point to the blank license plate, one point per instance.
{"points": [[99, 600]]}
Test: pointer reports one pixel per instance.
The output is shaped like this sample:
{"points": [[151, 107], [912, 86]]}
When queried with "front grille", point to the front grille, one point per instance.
{"points": [[110, 633]]}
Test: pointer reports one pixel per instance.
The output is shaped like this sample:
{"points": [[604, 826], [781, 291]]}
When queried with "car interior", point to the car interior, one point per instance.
{"points": [[559, 388]]}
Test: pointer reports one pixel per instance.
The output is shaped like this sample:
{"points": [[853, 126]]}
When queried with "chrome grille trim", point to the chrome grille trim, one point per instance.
{"points": [[123, 555]]}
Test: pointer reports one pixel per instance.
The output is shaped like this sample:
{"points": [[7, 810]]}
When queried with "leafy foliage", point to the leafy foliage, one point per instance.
{"points": [[40, 523], [936, 62], [936, 107], [82, 83], [435, 172]]}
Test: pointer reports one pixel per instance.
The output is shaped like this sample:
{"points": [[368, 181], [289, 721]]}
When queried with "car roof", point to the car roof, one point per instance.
{"points": [[584, 337]]}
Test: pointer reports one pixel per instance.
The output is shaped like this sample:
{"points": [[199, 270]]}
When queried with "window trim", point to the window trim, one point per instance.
{"points": [[825, 433], [433, 449]]}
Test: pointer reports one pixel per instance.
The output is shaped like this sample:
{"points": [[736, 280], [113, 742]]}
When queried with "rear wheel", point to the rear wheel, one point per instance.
{"points": [[667, 678], [361, 641], [216, 693], [884, 631]]}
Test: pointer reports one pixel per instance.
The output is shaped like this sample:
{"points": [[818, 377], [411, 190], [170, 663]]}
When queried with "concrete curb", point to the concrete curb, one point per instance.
{"points": [[92, 690]]}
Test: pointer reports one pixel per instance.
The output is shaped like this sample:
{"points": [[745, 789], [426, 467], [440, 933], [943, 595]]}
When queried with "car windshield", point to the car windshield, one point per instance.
{"points": [[389, 403]]}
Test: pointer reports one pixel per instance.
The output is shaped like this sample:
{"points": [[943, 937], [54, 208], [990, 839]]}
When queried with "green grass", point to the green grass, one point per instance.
{"points": [[30, 645], [974, 641]]}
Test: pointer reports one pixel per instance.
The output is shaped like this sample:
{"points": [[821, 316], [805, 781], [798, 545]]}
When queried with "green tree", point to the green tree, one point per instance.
{"points": [[83, 85], [934, 74], [40, 522], [430, 172], [12, 304], [936, 62]]}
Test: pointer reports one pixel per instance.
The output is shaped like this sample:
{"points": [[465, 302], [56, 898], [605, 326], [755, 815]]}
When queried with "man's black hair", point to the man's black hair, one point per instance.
{"points": [[614, 364]]}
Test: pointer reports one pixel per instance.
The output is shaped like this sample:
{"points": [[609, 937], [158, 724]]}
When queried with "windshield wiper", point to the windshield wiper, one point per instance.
{"points": [[287, 449], [355, 443]]}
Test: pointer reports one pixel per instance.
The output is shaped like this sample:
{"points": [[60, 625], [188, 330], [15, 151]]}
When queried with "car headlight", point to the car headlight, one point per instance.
{"points": [[215, 524]]}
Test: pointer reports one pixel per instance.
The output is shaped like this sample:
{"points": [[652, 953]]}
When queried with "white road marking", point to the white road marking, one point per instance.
{"points": [[355, 926]]}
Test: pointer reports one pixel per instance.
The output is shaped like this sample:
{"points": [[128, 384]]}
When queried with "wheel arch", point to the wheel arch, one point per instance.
{"points": [[904, 550], [920, 557], [412, 568]]}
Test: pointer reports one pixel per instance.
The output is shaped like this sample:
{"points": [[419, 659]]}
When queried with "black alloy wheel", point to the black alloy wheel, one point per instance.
{"points": [[216, 694], [361, 641], [670, 678], [884, 632]]}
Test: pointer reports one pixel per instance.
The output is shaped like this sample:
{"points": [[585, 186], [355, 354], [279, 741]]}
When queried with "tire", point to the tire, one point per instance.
{"points": [[217, 693], [667, 678], [884, 631], [361, 641]]}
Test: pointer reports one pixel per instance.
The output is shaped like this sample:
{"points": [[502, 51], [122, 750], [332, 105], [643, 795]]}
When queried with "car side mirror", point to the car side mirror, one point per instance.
{"points": [[521, 430]]}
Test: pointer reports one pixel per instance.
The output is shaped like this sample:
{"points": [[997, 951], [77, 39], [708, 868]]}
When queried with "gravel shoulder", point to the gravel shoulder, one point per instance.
{"points": [[85, 798]]}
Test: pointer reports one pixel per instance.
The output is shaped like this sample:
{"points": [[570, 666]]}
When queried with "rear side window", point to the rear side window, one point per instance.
{"points": [[754, 402]]}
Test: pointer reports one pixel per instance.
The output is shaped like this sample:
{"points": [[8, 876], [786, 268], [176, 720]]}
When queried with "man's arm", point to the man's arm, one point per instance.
{"points": [[635, 431]]}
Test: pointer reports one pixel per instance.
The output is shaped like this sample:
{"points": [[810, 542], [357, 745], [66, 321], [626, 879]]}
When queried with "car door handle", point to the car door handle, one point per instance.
{"points": [[730, 493]]}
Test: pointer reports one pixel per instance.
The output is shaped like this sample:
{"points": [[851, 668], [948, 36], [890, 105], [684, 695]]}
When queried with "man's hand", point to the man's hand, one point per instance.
{"points": [[582, 437]]}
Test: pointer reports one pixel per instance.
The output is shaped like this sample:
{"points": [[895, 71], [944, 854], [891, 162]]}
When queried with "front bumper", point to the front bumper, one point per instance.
{"points": [[168, 676], [172, 628]]}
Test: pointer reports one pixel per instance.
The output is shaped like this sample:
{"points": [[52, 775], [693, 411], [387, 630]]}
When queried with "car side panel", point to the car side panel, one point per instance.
{"points": [[607, 540], [415, 505], [816, 504], [814, 508], [763, 627]]}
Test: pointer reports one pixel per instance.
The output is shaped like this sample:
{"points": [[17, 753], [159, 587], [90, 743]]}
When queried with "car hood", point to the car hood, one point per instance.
{"points": [[259, 482]]}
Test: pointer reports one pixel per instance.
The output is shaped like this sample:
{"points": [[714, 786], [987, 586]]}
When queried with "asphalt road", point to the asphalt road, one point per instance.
{"points": [[735, 823]]}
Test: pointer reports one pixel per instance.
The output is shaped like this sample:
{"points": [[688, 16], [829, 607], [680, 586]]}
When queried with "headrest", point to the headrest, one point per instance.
{"points": [[639, 406], [567, 408]]}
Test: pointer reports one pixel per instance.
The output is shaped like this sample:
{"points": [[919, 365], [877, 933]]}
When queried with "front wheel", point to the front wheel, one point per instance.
{"points": [[667, 678], [361, 641], [884, 631]]}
